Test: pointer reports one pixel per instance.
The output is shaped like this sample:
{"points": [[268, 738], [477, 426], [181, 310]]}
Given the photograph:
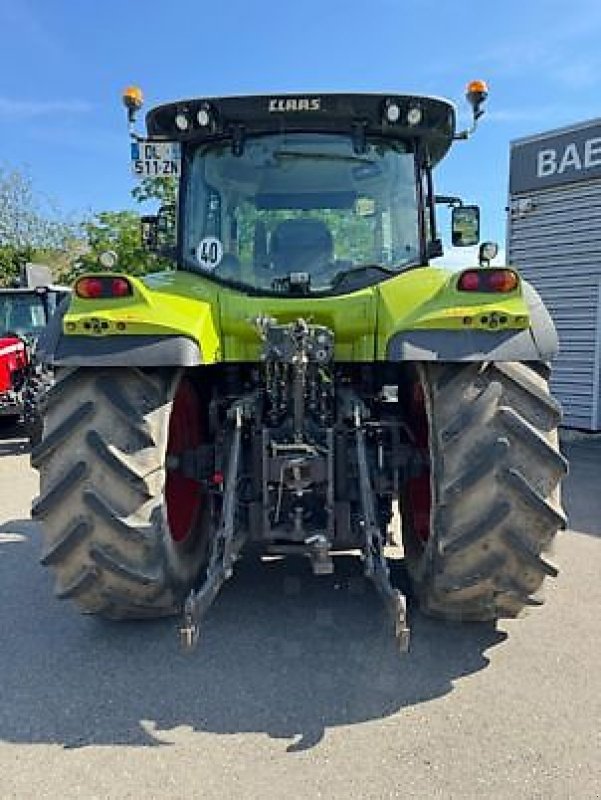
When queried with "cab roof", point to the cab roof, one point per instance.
{"points": [[361, 115]]}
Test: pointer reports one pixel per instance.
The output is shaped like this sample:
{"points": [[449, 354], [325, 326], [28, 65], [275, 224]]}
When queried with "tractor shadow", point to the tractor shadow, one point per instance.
{"points": [[282, 653]]}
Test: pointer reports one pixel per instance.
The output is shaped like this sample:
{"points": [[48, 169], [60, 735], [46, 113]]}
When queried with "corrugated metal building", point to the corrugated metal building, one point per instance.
{"points": [[554, 238]]}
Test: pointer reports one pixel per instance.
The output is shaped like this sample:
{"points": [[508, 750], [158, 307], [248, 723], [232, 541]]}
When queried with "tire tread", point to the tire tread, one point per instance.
{"points": [[498, 506]]}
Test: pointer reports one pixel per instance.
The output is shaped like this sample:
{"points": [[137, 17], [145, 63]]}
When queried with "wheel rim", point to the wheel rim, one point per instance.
{"points": [[182, 493], [419, 504], [419, 493]]}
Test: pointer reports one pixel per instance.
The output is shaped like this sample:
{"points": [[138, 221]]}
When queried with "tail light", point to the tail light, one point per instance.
{"points": [[503, 280], [101, 288], [488, 280], [120, 287]]}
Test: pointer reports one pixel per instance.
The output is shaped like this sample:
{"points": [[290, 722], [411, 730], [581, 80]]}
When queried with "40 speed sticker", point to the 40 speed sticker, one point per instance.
{"points": [[209, 252]]}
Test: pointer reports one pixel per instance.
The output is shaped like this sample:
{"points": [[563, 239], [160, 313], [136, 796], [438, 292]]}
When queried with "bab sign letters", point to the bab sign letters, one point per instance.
{"points": [[556, 159]]}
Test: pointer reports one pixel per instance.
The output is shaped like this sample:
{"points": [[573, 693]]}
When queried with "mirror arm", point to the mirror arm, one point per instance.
{"points": [[465, 134], [448, 200]]}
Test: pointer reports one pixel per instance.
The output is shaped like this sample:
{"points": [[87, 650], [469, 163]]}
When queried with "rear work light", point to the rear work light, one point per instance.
{"points": [[100, 288], [488, 280]]}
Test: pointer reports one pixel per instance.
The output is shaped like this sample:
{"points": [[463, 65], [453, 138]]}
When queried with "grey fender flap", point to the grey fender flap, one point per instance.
{"points": [[537, 343], [541, 325], [58, 350]]}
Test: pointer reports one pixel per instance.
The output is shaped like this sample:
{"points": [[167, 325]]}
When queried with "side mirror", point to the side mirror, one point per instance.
{"points": [[149, 232], [465, 226], [158, 231], [166, 225]]}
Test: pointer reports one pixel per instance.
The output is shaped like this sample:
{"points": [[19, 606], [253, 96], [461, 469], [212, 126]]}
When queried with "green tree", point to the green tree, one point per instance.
{"points": [[162, 189], [28, 225], [119, 232], [12, 260]]}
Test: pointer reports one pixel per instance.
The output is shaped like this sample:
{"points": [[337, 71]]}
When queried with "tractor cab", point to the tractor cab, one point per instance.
{"points": [[22, 312], [319, 194], [27, 307]]}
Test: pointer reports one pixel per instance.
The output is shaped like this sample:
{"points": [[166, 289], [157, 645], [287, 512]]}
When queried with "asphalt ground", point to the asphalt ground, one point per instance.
{"points": [[296, 689]]}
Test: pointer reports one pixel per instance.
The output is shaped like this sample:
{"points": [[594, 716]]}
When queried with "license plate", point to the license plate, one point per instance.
{"points": [[156, 159]]}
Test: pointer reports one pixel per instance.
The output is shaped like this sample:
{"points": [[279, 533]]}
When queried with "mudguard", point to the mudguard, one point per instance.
{"points": [[148, 329], [537, 342], [127, 351]]}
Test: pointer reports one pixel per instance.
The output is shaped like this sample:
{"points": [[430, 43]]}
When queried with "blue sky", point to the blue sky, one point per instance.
{"points": [[63, 64]]}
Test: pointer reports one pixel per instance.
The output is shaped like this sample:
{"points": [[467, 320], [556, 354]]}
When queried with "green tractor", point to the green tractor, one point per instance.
{"points": [[302, 375]]}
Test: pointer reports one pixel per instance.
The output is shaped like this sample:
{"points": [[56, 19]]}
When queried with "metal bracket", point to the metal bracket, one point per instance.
{"points": [[224, 549], [376, 567]]}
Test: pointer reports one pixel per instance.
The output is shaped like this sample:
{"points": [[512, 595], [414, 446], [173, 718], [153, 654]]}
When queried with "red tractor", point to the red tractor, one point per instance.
{"points": [[24, 316], [14, 363]]}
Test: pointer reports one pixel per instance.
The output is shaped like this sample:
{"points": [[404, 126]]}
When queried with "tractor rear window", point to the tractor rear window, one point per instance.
{"points": [[21, 313], [300, 209]]}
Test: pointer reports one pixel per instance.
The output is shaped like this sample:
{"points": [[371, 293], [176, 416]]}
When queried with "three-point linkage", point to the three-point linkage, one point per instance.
{"points": [[224, 547], [376, 567]]}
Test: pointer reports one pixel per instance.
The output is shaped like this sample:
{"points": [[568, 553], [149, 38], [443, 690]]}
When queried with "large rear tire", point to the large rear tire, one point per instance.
{"points": [[494, 496], [116, 547]]}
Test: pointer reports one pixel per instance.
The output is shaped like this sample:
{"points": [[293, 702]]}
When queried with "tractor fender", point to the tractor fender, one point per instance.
{"points": [[59, 350], [539, 342]]}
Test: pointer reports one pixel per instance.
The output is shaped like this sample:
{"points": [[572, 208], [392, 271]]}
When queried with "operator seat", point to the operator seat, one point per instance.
{"points": [[300, 245]]}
